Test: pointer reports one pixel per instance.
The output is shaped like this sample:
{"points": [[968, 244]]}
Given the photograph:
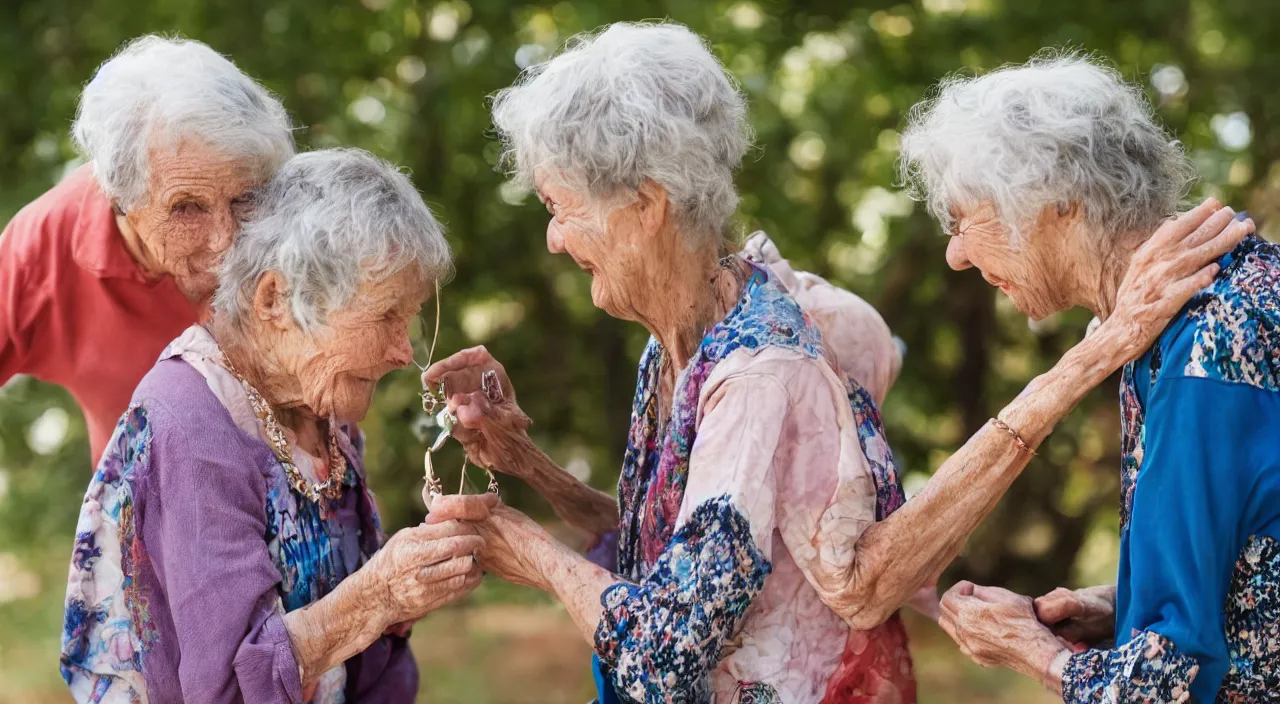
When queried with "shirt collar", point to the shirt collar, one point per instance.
{"points": [[99, 246], [200, 350]]}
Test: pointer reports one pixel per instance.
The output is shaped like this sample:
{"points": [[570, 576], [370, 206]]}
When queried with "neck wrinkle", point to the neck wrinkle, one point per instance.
{"points": [[1114, 269], [257, 366], [682, 301], [1098, 289]]}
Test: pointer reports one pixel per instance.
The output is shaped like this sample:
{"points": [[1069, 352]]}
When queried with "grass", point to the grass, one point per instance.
{"points": [[502, 645]]}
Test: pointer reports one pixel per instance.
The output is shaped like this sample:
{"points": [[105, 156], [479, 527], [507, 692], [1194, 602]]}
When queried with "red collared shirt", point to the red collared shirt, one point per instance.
{"points": [[76, 310]]}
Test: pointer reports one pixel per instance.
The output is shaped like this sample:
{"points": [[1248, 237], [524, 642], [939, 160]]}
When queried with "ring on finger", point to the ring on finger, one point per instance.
{"points": [[491, 386]]}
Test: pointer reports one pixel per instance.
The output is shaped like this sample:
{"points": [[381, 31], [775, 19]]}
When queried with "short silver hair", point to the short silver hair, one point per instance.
{"points": [[157, 90], [629, 102], [1062, 129], [328, 221]]}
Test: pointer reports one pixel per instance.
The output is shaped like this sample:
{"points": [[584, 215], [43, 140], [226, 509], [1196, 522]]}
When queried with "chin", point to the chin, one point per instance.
{"points": [[600, 297], [1035, 313], [355, 407], [350, 412], [197, 289], [353, 415]]}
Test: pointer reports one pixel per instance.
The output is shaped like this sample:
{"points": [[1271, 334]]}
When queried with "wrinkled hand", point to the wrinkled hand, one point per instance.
{"points": [[1081, 617], [512, 546], [490, 428], [443, 509], [421, 569], [996, 627], [761, 250], [1168, 269]]}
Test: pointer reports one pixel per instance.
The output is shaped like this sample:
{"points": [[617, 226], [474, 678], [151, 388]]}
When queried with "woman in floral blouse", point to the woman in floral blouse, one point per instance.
{"points": [[763, 544], [1050, 176]]}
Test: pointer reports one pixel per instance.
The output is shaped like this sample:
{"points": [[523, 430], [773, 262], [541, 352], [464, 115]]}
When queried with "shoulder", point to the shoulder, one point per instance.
{"points": [[776, 380], [192, 431], [765, 316], [1230, 331], [44, 228]]}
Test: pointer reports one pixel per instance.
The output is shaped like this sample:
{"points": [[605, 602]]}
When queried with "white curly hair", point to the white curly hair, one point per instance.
{"points": [[630, 102], [1061, 130]]}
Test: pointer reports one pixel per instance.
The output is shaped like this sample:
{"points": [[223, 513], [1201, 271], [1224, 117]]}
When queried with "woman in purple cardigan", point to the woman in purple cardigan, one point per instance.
{"points": [[228, 549]]}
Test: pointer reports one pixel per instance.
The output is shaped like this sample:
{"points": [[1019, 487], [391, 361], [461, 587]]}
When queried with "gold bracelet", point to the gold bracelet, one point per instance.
{"points": [[1017, 439]]}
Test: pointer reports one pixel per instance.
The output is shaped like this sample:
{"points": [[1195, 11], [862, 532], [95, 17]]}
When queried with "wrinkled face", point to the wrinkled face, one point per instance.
{"points": [[338, 367], [614, 249], [194, 203], [1030, 274]]}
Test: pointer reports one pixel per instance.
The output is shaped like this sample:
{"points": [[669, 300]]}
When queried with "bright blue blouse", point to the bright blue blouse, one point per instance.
{"points": [[1198, 593]]}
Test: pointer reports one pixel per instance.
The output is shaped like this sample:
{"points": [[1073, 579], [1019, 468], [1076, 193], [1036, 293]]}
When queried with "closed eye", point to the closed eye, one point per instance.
{"points": [[242, 207], [187, 208]]}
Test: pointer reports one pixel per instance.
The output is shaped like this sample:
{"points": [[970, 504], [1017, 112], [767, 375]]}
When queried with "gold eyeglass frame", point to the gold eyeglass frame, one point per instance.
{"points": [[435, 405]]}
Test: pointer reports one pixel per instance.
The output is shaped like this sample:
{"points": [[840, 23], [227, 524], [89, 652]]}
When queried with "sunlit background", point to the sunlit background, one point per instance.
{"points": [[829, 84]]}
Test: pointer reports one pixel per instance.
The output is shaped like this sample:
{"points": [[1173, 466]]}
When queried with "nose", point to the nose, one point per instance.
{"points": [[224, 231], [400, 353], [555, 243], [956, 257]]}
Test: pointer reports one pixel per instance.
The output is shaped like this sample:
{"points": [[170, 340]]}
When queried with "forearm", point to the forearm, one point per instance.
{"points": [[1052, 677], [577, 504], [910, 548], [334, 629], [573, 581]]}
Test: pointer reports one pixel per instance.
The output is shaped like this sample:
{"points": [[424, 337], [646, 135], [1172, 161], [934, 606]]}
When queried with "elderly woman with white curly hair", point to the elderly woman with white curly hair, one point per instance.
{"points": [[228, 548], [101, 272], [1050, 177], [764, 546]]}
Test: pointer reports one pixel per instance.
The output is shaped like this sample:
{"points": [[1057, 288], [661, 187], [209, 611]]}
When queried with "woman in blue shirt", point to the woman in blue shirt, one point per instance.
{"points": [[1049, 176]]}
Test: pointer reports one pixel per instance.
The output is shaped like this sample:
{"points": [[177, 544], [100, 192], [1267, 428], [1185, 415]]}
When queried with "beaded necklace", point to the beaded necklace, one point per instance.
{"points": [[331, 487]]}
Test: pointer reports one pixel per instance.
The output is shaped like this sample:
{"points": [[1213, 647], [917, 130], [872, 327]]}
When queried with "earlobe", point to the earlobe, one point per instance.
{"points": [[270, 300], [652, 201]]}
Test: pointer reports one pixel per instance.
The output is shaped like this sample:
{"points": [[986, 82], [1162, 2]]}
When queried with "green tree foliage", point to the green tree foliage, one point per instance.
{"points": [[829, 83]]}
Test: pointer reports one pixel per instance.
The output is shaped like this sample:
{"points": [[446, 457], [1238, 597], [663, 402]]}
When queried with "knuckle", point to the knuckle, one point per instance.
{"points": [[461, 545], [457, 583]]}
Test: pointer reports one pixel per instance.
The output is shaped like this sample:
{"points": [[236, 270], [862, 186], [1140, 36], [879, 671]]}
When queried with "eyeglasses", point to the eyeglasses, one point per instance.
{"points": [[435, 405]]}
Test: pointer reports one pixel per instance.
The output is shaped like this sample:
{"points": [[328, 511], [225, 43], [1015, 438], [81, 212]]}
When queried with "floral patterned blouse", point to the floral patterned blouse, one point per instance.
{"points": [[1198, 595], [762, 451], [192, 545]]}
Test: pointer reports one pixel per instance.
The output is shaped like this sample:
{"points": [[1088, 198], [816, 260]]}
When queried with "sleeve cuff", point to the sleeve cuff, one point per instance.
{"points": [[269, 658], [1147, 668]]}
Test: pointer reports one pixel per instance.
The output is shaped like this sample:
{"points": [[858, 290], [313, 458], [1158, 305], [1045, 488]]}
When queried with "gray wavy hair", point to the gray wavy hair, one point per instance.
{"points": [[157, 90], [629, 102], [328, 221], [1062, 129]]}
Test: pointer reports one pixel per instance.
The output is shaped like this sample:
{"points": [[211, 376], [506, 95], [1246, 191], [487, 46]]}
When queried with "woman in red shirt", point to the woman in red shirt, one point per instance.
{"points": [[102, 271]]}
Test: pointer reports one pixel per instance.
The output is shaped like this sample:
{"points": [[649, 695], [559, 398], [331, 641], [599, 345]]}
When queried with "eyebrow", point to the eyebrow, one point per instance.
{"points": [[183, 194]]}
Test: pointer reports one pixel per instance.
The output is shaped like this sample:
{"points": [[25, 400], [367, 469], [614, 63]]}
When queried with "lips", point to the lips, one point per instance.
{"points": [[583, 265], [1002, 285]]}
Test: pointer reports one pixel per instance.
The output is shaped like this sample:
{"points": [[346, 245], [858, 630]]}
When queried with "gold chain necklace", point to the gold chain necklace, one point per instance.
{"points": [[332, 486]]}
